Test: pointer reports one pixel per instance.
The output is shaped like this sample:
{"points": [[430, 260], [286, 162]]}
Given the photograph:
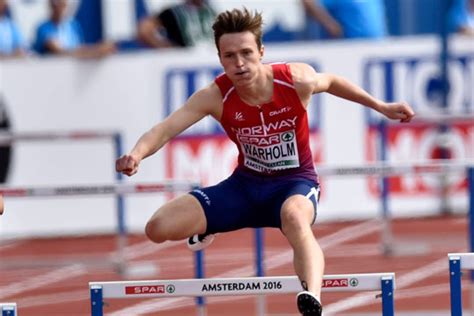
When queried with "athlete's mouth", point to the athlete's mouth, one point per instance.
{"points": [[239, 73]]}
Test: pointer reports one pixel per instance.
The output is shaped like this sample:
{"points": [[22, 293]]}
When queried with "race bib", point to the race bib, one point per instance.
{"points": [[271, 152]]}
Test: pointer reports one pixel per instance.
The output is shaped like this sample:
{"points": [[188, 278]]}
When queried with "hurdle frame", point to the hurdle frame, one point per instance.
{"points": [[8, 309], [117, 189], [457, 263], [114, 136], [440, 120], [384, 282], [385, 169]]}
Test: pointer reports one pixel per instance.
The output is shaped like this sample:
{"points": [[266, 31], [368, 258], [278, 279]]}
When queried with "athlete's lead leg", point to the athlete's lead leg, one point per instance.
{"points": [[296, 216]]}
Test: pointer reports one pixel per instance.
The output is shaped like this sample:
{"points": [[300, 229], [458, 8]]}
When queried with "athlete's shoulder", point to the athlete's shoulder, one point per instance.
{"points": [[301, 72], [210, 94], [207, 100], [304, 77]]}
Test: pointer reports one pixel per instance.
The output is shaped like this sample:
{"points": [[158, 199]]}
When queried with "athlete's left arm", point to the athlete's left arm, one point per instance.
{"points": [[308, 82]]}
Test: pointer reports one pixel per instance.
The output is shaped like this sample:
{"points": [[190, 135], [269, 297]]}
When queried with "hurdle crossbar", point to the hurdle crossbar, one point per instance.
{"points": [[384, 282], [101, 189], [11, 137], [8, 309], [458, 262], [383, 168]]}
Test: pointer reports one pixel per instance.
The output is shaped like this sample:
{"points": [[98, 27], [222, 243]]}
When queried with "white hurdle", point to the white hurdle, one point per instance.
{"points": [[117, 189], [99, 189], [9, 137], [384, 169], [458, 262], [384, 282], [8, 309]]}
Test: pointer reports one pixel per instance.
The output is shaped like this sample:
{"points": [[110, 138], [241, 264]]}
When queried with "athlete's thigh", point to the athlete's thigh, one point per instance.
{"points": [[227, 205], [180, 218], [300, 196]]}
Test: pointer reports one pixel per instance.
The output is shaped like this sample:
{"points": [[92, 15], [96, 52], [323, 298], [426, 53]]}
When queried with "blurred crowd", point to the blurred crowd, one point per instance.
{"points": [[188, 22]]}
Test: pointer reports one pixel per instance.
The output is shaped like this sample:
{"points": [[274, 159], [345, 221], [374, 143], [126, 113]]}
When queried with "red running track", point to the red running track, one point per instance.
{"points": [[48, 276]]}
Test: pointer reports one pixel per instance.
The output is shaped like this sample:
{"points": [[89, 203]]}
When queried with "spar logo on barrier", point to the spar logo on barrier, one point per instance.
{"points": [[338, 283], [150, 289], [416, 80], [194, 155], [327, 283]]}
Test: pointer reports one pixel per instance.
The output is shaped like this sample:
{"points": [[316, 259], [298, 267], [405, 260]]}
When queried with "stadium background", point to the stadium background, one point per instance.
{"points": [[130, 91]]}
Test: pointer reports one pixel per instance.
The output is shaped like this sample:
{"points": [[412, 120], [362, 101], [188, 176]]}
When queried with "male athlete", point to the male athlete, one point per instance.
{"points": [[262, 108]]}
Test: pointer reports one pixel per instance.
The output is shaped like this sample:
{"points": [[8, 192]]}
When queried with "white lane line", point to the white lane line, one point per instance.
{"points": [[355, 250], [147, 247], [339, 237], [407, 279], [41, 280], [423, 291], [6, 245], [75, 270], [54, 298]]}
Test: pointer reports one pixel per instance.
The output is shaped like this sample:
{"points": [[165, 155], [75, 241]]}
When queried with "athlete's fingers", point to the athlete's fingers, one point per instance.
{"points": [[400, 111], [125, 163], [130, 172], [119, 164], [407, 114]]}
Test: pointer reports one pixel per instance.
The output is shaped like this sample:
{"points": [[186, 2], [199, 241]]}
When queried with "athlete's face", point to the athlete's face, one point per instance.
{"points": [[240, 56]]}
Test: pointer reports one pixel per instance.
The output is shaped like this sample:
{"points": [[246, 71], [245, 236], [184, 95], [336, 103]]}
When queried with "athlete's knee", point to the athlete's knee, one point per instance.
{"points": [[296, 216], [155, 230]]}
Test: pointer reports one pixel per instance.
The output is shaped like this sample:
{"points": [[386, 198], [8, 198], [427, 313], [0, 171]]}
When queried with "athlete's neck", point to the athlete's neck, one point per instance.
{"points": [[260, 90]]}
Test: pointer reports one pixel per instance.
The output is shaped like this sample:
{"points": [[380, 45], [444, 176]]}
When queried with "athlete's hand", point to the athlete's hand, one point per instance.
{"points": [[1, 204], [127, 164], [398, 111]]}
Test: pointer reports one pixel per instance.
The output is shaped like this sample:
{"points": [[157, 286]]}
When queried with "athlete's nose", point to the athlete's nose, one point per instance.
{"points": [[239, 61]]}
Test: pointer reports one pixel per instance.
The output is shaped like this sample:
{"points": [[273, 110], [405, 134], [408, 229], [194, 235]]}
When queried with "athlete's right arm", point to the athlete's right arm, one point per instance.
{"points": [[207, 101]]}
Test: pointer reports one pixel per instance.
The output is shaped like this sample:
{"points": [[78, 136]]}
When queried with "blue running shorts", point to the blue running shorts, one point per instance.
{"points": [[246, 200]]}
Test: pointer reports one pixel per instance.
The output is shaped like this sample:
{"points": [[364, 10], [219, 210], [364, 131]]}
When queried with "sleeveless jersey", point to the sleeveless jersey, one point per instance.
{"points": [[272, 138]]}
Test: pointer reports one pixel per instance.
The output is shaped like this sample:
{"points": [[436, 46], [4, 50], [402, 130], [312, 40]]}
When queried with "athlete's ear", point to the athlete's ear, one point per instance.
{"points": [[262, 51]]}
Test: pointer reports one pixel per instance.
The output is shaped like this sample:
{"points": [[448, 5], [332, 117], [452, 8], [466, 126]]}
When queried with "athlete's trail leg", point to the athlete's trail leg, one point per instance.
{"points": [[178, 219]]}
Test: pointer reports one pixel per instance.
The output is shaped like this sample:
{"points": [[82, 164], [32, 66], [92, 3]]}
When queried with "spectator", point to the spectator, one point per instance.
{"points": [[11, 40], [62, 35], [345, 18], [185, 24], [461, 17]]}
